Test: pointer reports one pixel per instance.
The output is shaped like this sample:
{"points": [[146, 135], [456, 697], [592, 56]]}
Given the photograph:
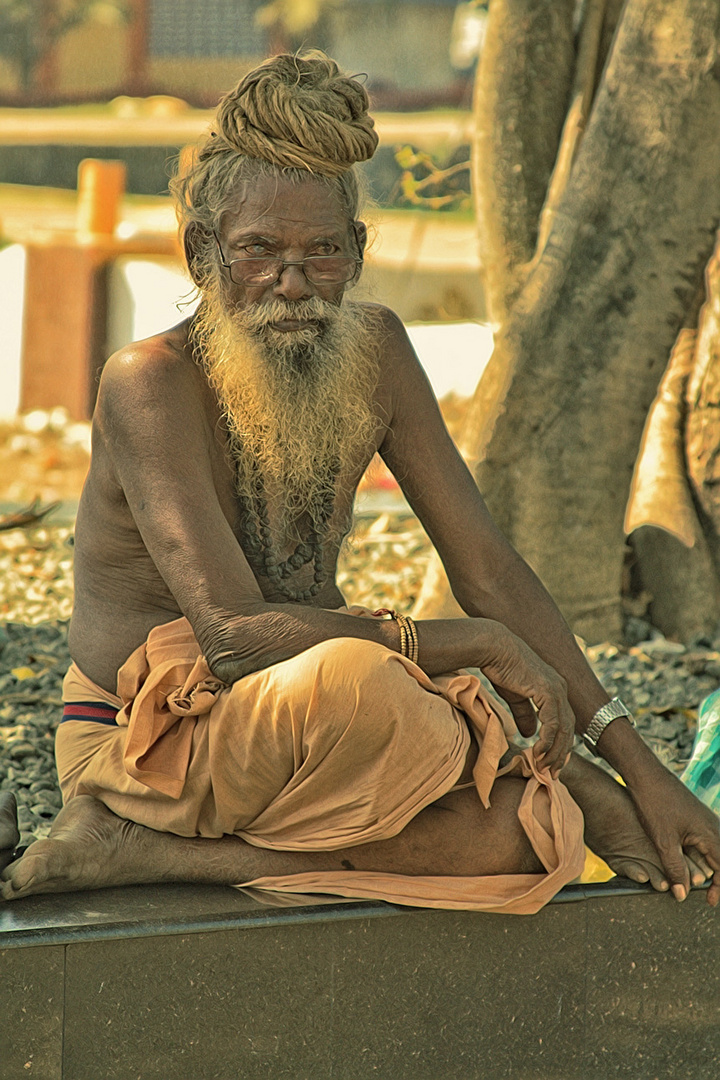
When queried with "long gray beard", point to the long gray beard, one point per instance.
{"points": [[298, 404]]}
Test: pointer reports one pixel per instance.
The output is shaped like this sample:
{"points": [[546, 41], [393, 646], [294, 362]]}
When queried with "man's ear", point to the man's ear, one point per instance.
{"points": [[193, 238], [361, 234]]}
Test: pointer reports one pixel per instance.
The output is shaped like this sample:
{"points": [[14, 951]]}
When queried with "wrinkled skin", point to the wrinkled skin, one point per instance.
{"points": [[158, 529]]}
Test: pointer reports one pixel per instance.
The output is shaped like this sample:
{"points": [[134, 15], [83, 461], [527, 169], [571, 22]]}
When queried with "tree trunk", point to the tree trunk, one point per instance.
{"points": [[611, 21], [673, 568], [660, 492], [522, 90], [680, 442], [521, 95], [680, 583], [558, 415], [703, 421]]}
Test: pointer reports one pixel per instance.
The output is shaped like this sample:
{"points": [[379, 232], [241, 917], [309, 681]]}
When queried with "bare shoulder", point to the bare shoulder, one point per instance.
{"points": [[391, 333], [148, 372], [399, 367], [402, 376], [154, 405]]}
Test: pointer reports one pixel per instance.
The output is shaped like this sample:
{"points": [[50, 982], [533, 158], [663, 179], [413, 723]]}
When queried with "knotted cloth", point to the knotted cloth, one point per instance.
{"points": [[341, 745], [297, 112]]}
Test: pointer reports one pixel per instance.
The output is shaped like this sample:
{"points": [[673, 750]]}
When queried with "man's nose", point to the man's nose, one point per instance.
{"points": [[292, 284]]}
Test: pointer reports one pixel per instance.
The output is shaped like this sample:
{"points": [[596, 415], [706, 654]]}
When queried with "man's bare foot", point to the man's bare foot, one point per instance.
{"points": [[9, 832], [612, 827], [88, 847]]}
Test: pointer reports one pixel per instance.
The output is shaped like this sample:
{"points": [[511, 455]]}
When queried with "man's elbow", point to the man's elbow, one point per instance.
{"points": [[231, 668], [239, 645]]}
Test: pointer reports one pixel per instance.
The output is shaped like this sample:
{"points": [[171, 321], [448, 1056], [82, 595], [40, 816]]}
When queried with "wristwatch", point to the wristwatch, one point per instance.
{"points": [[604, 716]]}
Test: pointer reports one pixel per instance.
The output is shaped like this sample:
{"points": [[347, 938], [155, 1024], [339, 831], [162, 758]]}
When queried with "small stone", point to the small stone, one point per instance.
{"points": [[40, 785], [661, 728], [21, 750], [661, 646]]}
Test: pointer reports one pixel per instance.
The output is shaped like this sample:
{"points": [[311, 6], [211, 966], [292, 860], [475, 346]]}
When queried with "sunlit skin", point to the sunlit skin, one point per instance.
{"points": [[157, 536]]}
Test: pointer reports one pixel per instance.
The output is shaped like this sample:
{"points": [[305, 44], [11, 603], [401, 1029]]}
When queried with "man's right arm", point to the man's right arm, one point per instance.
{"points": [[160, 444]]}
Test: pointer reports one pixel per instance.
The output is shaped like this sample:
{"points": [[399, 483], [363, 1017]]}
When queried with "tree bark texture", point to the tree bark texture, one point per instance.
{"points": [[674, 481], [521, 96], [702, 432], [673, 567], [660, 492], [611, 21], [681, 583], [557, 418]]}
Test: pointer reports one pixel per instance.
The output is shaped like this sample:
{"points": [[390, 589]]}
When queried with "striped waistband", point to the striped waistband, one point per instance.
{"points": [[90, 710]]}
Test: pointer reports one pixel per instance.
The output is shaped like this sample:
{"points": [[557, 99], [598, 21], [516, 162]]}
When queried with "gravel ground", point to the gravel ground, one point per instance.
{"points": [[663, 682]]}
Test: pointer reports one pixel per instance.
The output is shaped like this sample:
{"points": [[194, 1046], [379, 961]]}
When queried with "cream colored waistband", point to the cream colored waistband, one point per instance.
{"points": [[77, 687]]}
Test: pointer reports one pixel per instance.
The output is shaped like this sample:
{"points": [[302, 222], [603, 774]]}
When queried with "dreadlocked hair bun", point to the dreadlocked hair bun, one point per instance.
{"points": [[297, 112]]}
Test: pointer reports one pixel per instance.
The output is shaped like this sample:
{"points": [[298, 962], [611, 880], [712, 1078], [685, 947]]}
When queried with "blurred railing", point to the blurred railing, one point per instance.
{"points": [[30, 127]]}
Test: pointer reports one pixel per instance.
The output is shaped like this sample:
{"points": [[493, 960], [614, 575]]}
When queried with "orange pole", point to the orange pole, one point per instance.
{"points": [[101, 186]]}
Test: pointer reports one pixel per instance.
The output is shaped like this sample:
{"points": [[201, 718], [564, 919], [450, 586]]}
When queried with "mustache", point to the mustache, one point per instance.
{"points": [[255, 319]]}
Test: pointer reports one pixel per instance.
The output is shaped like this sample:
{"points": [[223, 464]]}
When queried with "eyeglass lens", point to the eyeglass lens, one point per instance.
{"points": [[333, 269]]}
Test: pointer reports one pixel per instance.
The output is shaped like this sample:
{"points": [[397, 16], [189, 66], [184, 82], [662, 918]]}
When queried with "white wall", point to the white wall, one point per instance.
{"points": [[144, 294], [12, 287]]}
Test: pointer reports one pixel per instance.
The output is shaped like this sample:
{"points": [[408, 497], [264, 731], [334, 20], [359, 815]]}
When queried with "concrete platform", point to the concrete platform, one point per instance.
{"points": [[200, 983]]}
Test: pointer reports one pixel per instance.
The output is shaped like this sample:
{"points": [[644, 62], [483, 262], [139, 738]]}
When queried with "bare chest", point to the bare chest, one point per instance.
{"points": [[293, 557]]}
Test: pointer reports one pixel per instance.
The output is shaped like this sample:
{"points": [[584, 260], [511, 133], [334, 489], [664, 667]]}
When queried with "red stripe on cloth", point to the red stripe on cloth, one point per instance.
{"points": [[90, 710]]}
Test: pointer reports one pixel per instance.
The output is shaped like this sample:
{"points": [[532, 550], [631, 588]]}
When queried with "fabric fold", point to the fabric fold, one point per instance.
{"points": [[339, 746]]}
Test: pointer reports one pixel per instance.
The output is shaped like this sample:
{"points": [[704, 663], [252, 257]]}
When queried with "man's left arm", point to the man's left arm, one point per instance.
{"points": [[489, 579]]}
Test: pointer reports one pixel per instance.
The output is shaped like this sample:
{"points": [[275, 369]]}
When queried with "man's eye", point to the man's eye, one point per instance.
{"points": [[326, 249], [253, 250]]}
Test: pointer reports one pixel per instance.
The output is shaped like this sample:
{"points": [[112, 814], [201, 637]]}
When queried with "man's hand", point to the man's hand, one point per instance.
{"points": [[534, 693], [677, 822]]}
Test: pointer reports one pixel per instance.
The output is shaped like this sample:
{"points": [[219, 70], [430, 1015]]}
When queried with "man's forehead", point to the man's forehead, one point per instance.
{"points": [[269, 206]]}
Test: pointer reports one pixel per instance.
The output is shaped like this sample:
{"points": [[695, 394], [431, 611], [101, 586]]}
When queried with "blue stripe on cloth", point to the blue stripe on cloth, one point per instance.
{"points": [[94, 711]]}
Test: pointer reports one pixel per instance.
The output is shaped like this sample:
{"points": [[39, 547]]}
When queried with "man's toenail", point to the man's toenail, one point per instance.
{"points": [[679, 892]]}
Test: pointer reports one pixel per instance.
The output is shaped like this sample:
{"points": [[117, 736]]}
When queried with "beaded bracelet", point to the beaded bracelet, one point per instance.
{"points": [[409, 645]]}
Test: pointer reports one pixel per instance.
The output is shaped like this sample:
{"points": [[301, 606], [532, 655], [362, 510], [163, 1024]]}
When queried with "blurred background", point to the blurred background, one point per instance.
{"points": [[97, 102]]}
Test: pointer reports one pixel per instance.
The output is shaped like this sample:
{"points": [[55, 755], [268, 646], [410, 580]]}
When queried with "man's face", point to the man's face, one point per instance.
{"points": [[291, 221], [289, 363]]}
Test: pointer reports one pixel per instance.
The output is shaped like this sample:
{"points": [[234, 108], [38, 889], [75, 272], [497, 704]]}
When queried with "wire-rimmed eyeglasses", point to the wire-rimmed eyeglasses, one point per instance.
{"points": [[266, 269]]}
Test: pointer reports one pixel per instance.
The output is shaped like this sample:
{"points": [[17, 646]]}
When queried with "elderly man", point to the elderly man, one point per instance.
{"points": [[228, 719]]}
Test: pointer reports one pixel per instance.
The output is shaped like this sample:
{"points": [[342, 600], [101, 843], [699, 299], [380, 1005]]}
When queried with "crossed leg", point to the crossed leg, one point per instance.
{"points": [[90, 847]]}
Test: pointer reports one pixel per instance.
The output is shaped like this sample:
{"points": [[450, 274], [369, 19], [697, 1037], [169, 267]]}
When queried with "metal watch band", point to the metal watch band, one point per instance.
{"points": [[604, 716]]}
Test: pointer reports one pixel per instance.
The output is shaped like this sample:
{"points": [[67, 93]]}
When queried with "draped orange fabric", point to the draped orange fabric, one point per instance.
{"points": [[341, 745]]}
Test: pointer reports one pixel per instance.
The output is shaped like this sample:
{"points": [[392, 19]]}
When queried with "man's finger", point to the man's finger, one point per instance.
{"points": [[676, 869], [713, 896], [525, 717], [697, 875], [699, 859], [556, 735], [556, 756]]}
